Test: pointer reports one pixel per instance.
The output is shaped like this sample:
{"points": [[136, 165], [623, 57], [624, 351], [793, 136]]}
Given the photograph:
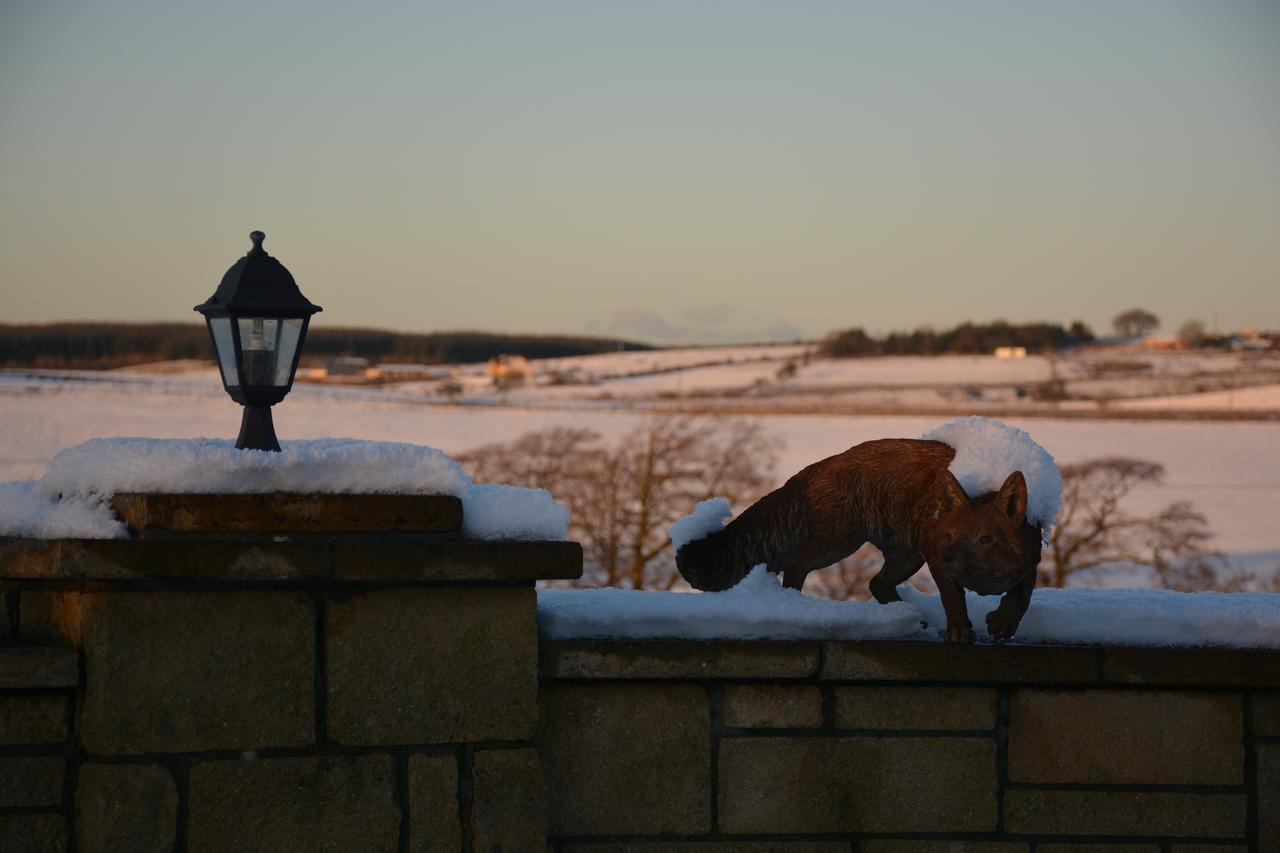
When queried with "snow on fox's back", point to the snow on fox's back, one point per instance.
{"points": [[988, 451]]}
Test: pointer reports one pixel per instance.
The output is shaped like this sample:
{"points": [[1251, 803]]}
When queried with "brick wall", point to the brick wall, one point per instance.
{"points": [[198, 688], [908, 748]]}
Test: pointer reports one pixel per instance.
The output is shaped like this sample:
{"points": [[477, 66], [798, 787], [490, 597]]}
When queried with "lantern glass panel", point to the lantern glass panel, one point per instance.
{"points": [[290, 331], [268, 345], [225, 346]]}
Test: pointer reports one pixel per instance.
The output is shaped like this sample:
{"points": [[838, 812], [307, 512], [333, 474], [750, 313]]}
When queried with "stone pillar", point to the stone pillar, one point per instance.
{"points": [[284, 672]]}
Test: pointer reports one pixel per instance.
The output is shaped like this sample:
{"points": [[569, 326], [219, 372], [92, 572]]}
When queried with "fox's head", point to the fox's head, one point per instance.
{"points": [[985, 544]]}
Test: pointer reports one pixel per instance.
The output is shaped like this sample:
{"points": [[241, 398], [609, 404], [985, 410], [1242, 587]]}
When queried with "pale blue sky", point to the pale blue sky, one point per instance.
{"points": [[684, 169]]}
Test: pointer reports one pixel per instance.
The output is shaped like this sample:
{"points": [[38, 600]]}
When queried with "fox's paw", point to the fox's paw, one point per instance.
{"points": [[1003, 622], [960, 634]]}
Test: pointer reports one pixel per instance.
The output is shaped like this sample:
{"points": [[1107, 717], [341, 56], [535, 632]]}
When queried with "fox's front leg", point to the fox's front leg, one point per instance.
{"points": [[1004, 620], [959, 628]]}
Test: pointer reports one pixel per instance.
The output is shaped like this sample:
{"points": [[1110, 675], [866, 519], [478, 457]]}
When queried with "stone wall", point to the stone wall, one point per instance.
{"points": [[208, 686], [908, 748], [228, 689]]}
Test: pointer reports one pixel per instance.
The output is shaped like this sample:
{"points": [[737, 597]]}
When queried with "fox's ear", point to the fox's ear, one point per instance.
{"points": [[950, 493], [1013, 496]]}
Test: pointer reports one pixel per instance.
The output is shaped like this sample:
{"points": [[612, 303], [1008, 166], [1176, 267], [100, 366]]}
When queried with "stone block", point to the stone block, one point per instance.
{"points": [[597, 659], [915, 708], [1209, 848], [33, 719], [1097, 848], [772, 706], [1266, 714], [259, 558], [196, 671], [36, 616], [294, 804], [1120, 813], [286, 512], [33, 833], [422, 666], [857, 784], [980, 664], [31, 781], [418, 558], [508, 801], [887, 846], [627, 759], [31, 668], [434, 824], [1268, 782], [1202, 667], [126, 807], [1126, 737], [713, 847]]}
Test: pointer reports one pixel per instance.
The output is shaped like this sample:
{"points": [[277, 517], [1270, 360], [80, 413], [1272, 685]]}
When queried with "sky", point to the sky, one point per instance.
{"points": [[669, 171]]}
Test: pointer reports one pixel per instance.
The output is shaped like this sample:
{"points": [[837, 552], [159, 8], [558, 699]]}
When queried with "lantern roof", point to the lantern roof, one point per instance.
{"points": [[258, 284]]}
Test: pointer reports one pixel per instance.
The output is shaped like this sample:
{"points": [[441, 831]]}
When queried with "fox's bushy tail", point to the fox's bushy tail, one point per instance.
{"points": [[764, 533]]}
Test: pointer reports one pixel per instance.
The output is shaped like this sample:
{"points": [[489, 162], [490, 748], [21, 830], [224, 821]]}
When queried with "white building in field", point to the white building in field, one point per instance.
{"points": [[1011, 352]]}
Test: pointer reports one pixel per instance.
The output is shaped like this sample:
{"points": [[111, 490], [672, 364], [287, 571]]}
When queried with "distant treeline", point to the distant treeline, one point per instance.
{"points": [[968, 338], [105, 345]]}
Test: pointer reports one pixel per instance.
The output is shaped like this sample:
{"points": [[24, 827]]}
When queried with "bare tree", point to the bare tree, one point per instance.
{"points": [[1093, 530], [625, 497], [1135, 322], [1192, 332]]}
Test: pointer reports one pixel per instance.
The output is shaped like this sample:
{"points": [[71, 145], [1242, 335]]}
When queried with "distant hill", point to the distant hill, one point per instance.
{"points": [[107, 345]]}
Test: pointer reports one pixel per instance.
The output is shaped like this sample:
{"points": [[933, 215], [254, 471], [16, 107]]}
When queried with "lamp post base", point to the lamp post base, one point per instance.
{"points": [[256, 430]]}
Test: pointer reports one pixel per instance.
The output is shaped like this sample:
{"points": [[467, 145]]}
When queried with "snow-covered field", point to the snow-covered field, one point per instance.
{"points": [[1230, 470]]}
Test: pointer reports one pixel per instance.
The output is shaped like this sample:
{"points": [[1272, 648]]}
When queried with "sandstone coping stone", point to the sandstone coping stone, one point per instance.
{"points": [[626, 759], [196, 671], [31, 781], [422, 666], [713, 847], [1118, 737], [334, 803], [1217, 667], [434, 824], [678, 659], [33, 719], [772, 706], [239, 558], [1268, 782], [780, 785], [1179, 815], [508, 801], [1209, 848], [33, 833], [415, 558], [915, 708], [1266, 714], [890, 846], [290, 512], [31, 667], [126, 807], [981, 664]]}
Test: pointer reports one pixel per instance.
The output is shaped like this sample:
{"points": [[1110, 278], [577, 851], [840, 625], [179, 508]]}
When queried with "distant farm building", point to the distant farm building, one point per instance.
{"points": [[507, 370], [1011, 352]]}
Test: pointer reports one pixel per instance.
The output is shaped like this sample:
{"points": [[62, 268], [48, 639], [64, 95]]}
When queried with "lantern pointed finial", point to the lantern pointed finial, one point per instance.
{"points": [[257, 237]]}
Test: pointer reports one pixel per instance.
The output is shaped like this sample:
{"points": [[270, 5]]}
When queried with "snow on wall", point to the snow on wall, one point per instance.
{"points": [[707, 517], [70, 500], [988, 451], [760, 608]]}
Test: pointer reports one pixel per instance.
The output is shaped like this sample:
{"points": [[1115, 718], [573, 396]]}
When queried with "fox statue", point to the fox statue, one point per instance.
{"points": [[899, 495]]}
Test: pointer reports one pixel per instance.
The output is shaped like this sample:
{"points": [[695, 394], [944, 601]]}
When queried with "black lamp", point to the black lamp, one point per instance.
{"points": [[258, 319]]}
